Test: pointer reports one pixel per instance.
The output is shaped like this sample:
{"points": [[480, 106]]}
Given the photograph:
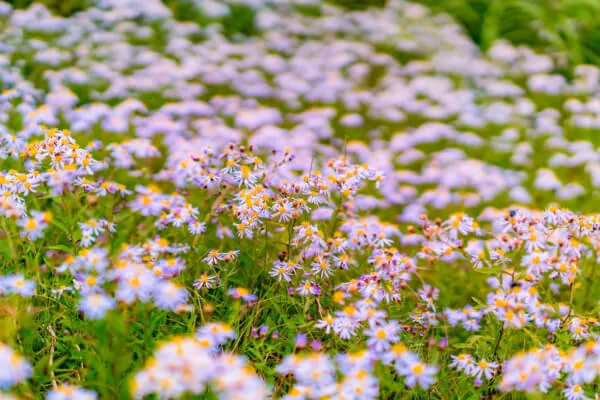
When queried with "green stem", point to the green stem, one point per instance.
{"points": [[11, 244]]}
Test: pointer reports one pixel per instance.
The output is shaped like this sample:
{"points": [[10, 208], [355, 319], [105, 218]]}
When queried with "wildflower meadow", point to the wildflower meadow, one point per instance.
{"points": [[292, 199]]}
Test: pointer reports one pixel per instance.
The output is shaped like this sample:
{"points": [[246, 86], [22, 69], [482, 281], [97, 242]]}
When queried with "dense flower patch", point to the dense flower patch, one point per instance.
{"points": [[342, 205]]}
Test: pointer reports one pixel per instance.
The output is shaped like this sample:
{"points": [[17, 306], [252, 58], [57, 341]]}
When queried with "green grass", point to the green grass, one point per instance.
{"points": [[358, 4], [61, 7], [567, 27]]}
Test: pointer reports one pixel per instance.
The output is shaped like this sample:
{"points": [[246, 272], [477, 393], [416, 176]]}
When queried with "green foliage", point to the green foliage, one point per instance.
{"points": [[61, 7], [568, 27], [185, 10], [240, 21], [358, 4], [469, 13]]}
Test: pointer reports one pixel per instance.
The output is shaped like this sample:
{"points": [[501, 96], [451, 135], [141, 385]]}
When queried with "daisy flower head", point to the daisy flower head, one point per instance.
{"points": [[17, 284], [16, 369], [416, 372], [242, 293], [170, 296], [69, 392], [574, 392], [206, 281], [382, 336], [96, 305]]}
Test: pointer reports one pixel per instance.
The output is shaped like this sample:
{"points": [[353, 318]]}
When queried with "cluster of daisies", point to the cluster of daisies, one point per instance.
{"points": [[374, 206], [191, 364]]}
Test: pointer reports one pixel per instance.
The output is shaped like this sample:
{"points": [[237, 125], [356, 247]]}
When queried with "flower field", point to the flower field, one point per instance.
{"points": [[288, 199]]}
